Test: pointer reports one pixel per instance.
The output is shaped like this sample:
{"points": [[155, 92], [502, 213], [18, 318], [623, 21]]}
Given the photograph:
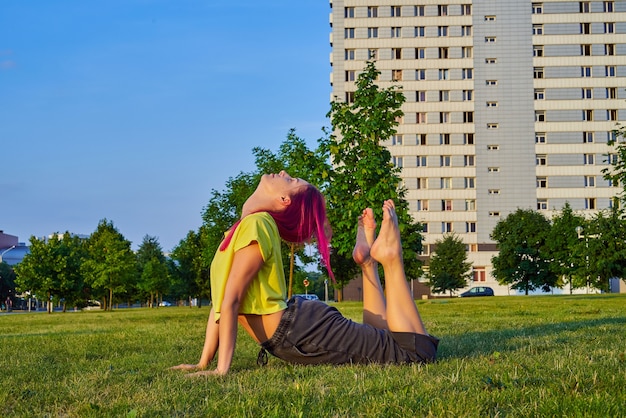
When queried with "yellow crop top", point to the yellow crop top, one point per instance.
{"points": [[268, 291]]}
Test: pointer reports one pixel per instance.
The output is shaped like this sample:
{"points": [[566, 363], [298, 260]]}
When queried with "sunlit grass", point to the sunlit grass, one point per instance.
{"points": [[502, 356]]}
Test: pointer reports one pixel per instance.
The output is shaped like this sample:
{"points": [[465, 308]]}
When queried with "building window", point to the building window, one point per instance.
{"points": [[493, 169], [350, 75], [541, 159], [348, 12], [396, 75], [540, 115], [442, 10], [585, 72], [349, 33], [542, 204], [444, 117], [493, 191], [420, 117], [491, 82], [470, 205], [444, 139], [492, 104], [419, 31], [588, 115], [538, 72], [443, 74], [540, 94], [442, 31], [372, 32], [470, 183], [421, 139], [490, 60], [396, 32], [466, 9], [537, 50], [420, 53], [589, 159], [492, 126], [468, 139], [537, 29], [372, 11], [540, 137], [490, 39], [469, 160], [418, 10], [446, 227], [585, 50], [611, 93], [468, 73], [584, 7], [468, 117], [470, 227], [542, 182], [420, 96], [398, 162], [468, 95], [445, 161], [493, 147], [422, 161], [587, 93], [587, 137], [397, 139], [446, 183], [609, 6], [372, 53], [590, 203], [396, 11], [494, 214], [609, 28], [420, 75], [443, 52], [422, 205], [446, 205], [466, 52], [349, 55], [609, 71], [466, 31], [611, 114], [422, 183], [590, 181], [444, 95], [537, 8], [585, 28], [396, 53], [490, 18], [349, 97]]}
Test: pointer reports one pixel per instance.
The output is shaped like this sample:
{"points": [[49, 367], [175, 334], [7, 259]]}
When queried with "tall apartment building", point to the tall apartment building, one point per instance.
{"points": [[509, 104]]}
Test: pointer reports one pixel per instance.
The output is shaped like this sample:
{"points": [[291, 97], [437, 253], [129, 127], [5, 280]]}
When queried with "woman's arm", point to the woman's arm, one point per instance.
{"points": [[246, 265], [211, 342]]}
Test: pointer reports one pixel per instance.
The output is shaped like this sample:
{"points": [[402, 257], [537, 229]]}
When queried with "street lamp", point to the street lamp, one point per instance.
{"points": [[5, 251]]}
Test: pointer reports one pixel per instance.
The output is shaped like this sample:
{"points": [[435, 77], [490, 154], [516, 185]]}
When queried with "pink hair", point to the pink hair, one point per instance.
{"points": [[302, 220]]}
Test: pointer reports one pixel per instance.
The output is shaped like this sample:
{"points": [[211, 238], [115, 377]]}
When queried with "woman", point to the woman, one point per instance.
{"points": [[248, 285]]}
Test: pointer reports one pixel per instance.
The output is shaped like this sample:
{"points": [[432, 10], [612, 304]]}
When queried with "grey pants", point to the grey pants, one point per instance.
{"points": [[311, 332]]}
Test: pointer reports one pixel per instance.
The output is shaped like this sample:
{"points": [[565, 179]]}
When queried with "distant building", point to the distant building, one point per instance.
{"points": [[11, 250]]}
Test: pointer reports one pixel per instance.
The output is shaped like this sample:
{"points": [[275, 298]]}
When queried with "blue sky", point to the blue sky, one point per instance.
{"points": [[134, 110]]}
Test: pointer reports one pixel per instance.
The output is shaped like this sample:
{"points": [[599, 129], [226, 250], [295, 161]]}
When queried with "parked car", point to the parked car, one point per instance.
{"points": [[478, 291], [92, 305], [309, 296], [165, 303]]}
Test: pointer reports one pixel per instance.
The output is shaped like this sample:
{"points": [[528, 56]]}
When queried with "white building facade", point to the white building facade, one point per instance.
{"points": [[509, 104]]}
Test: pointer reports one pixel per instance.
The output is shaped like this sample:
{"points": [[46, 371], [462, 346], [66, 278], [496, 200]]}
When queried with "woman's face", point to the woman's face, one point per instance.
{"points": [[282, 184]]}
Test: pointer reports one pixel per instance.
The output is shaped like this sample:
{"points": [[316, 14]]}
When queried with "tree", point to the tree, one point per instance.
{"points": [[449, 269], [7, 282], [616, 172], [189, 269], [363, 174], [111, 265], [522, 260], [561, 244], [152, 269]]}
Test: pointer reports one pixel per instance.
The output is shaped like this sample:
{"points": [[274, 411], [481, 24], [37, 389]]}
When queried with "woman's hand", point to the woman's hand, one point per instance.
{"points": [[185, 367]]}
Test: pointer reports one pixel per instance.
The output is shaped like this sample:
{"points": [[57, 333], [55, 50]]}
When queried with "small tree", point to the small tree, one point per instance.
{"points": [[449, 269]]}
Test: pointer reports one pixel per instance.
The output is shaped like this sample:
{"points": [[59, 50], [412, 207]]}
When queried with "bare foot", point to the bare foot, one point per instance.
{"points": [[387, 247], [366, 233]]}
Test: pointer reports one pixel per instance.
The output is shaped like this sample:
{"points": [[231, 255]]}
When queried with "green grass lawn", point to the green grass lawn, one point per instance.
{"points": [[504, 356]]}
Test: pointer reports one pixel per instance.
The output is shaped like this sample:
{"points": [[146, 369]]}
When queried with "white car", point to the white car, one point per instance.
{"points": [[165, 303], [309, 297]]}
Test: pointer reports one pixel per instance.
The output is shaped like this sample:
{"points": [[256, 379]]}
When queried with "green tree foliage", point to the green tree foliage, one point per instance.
{"points": [[51, 270], [363, 174], [523, 260], [189, 267], [448, 268], [7, 282], [561, 244], [152, 270], [110, 267], [616, 172]]}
